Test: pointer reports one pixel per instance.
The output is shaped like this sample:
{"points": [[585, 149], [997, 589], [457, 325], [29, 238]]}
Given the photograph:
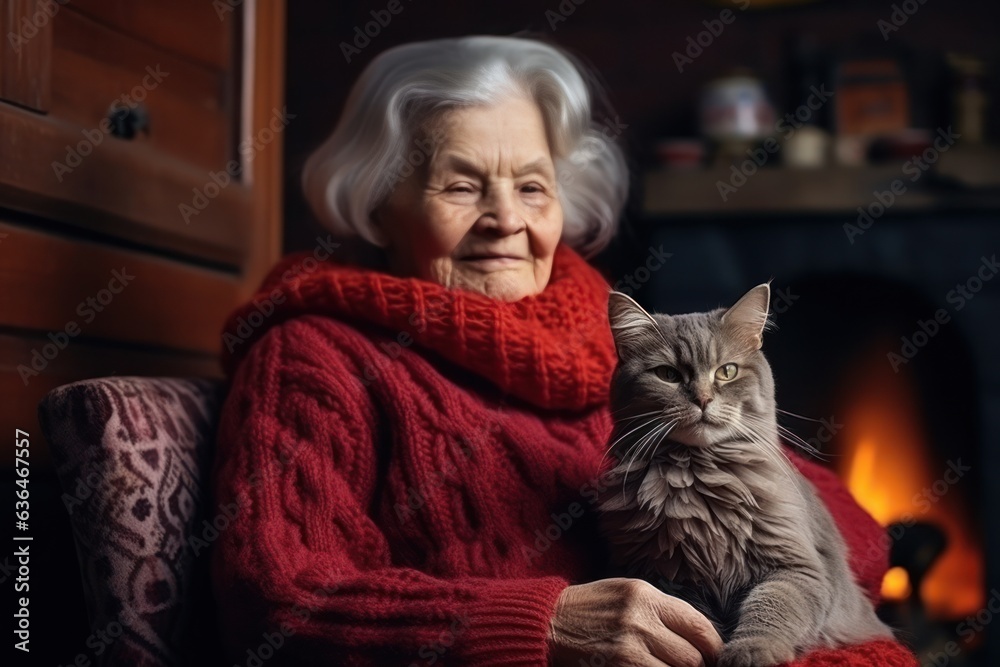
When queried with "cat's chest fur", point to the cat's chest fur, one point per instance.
{"points": [[692, 519]]}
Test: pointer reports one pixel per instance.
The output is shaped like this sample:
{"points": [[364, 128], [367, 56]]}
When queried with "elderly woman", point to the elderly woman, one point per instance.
{"points": [[411, 454]]}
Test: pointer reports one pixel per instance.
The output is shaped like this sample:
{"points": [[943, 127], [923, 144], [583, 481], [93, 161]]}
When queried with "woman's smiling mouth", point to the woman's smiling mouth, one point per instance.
{"points": [[492, 261]]}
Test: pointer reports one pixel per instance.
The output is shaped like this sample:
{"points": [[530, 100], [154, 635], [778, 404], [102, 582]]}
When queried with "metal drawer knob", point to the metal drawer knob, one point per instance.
{"points": [[126, 122]]}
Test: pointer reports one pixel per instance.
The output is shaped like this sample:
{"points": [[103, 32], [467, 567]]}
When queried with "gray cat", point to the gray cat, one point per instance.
{"points": [[703, 502]]}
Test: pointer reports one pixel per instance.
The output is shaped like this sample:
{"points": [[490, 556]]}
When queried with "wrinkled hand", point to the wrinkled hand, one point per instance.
{"points": [[629, 623]]}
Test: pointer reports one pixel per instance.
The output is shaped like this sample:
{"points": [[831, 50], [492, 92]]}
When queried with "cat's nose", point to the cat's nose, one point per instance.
{"points": [[702, 400]]}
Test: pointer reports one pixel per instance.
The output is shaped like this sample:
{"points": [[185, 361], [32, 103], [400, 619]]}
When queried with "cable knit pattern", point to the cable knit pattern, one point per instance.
{"points": [[401, 459], [559, 338]]}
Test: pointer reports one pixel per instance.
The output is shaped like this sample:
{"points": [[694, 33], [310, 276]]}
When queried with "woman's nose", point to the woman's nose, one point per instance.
{"points": [[500, 214]]}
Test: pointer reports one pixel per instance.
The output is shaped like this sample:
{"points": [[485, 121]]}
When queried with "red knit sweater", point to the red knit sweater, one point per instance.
{"points": [[410, 469]]}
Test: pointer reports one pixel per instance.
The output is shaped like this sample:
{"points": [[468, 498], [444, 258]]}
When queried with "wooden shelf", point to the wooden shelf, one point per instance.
{"points": [[961, 178]]}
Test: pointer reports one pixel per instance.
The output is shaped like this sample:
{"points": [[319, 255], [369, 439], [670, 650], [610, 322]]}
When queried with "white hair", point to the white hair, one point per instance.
{"points": [[375, 144]]}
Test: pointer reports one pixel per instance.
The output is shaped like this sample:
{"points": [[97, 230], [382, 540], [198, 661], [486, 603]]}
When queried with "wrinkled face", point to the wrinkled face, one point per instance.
{"points": [[483, 211], [700, 377]]}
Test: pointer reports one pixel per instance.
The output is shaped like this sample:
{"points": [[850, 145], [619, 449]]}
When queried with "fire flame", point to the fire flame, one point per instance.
{"points": [[896, 584], [889, 469]]}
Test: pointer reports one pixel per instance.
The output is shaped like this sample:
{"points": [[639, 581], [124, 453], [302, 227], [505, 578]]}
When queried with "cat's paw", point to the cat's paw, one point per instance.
{"points": [[755, 652]]}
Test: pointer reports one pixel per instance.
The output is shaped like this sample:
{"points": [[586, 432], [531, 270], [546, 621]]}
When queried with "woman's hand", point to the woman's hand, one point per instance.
{"points": [[629, 623]]}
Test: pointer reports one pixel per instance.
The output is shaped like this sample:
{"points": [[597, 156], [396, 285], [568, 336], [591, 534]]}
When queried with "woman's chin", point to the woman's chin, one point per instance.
{"points": [[504, 284]]}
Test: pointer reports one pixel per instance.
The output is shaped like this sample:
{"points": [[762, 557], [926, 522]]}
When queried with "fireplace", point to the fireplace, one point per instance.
{"points": [[919, 492], [889, 344], [905, 441]]}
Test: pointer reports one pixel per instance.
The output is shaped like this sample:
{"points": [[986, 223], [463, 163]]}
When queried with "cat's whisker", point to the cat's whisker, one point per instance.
{"points": [[653, 442], [646, 437], [664, 416], [784, 466], [765, 448], [642, 414], [779, 429], [768, 445], [652, 437], [657, 438], [804, 445], [663, 437], [653, 420], [797, 416], [790, 437], [638, 441], [781, 466], [645, 424]]}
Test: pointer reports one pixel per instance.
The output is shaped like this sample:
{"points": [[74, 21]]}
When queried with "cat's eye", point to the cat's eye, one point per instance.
{"points": [[668, 374], [726, 372]]}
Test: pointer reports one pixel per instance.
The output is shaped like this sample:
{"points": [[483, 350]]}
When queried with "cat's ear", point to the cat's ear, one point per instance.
{"points": [[629, 323], [746, 320]]}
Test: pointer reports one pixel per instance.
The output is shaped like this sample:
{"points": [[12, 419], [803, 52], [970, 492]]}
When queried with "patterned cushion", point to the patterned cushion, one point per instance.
{"points": [[133, 457]]}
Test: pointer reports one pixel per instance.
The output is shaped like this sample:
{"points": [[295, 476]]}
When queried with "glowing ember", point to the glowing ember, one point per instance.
{"points": [[888, 467], [896, 584]]}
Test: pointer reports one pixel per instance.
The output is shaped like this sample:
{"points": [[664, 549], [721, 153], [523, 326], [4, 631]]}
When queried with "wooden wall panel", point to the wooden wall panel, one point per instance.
{"points": [[25, 69], [47, 283], [195, 29]]}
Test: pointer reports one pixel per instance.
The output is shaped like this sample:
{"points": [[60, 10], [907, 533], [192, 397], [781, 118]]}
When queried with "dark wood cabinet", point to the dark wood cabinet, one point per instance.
{"points": [[143, 138]]}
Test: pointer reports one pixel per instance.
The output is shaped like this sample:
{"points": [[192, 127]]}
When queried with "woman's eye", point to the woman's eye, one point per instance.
{"points": [[531, 189], [727, 372], [668, 374], [461, 188]]}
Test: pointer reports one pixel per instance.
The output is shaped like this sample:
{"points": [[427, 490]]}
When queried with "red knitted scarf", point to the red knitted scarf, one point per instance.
{"points": [[553, 349]]}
